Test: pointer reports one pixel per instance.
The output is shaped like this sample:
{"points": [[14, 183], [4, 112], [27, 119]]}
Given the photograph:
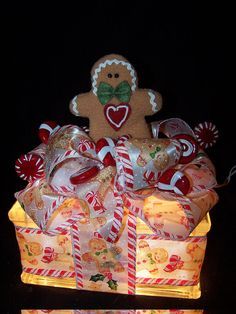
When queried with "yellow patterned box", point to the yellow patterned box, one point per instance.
{"points": [[139, 262]]}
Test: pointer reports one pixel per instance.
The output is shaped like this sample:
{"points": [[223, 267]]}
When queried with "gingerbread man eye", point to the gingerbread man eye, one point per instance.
{"points": [[116, 75], [109, 75]]}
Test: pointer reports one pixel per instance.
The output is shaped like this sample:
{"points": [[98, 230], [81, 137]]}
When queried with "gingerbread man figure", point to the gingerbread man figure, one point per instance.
{"points": [[104, 258], [115, 105], [29, 250], [145, 258]]}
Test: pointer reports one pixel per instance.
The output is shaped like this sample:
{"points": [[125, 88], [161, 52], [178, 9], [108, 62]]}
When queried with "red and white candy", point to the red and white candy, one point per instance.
{"points": [[105, 151], [84, 174], [84, 145], [206, 134], [189, 148], [30, 167], [94, 200], [46, 129], [174, 181]]}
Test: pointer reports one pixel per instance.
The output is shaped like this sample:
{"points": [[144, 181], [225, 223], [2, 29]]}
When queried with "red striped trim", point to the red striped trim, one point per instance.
{"points": [[124, 162], [131, 253], [156, 237], [77, 255], [49, 272], [117, 218], [165, 281]]}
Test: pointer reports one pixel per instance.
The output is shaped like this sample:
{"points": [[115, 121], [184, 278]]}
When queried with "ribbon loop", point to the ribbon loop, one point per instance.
{"points": [[146, 178]]}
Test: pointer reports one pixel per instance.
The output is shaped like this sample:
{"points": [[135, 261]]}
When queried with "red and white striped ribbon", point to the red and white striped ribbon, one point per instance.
{"points": [[117, 218], [49, 272], [77, 255], [136, 210], [28, 230], [64, 226], [165, 281], [156, 237], [124, 165], [132, 237]]}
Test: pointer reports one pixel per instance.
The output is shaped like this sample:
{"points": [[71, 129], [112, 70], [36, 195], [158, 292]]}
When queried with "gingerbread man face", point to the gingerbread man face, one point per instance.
{"points": [[115, 106], [103, 257], [97, 245], [35, 248], [160, 255], [29, 249]]}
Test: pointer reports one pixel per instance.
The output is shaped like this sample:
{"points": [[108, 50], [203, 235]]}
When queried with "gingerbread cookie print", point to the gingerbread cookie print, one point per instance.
{"points": [[150, 259], [115, 105], [29, 250], [104, 258]]}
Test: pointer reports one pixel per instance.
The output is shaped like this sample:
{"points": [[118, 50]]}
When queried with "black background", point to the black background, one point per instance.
{"points": [[183, 51]]}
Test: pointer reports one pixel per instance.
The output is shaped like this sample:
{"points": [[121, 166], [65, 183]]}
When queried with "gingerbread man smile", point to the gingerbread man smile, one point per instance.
{"points": [[115, 105]]}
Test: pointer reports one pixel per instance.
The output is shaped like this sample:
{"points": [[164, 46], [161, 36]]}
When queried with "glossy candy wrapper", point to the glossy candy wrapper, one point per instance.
{"points": [[87, 233]]}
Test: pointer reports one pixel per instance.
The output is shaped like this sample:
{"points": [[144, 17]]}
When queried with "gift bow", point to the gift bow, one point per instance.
{"points": [[134, 201], [106, 92]]}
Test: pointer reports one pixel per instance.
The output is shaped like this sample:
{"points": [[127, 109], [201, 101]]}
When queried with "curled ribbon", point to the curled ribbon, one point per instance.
{"points": [[146, 179]]}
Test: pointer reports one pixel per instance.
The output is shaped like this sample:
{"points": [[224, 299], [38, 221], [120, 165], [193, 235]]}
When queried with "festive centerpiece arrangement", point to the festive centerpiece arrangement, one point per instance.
{"points": [[121, 208]]}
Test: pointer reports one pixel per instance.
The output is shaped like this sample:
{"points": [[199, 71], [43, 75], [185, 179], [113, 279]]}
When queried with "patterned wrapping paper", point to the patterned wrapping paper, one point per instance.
{"points": [[87, 233], [91, 263]]}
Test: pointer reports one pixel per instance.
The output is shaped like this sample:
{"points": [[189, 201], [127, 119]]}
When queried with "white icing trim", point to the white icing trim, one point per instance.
{"points": [[116, 108], [110, 62], [152, 101], [75, 106]]}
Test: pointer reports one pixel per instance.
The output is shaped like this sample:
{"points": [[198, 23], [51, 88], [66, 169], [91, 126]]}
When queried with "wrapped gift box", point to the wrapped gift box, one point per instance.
{"points": [[163, 267], [121, 230]]}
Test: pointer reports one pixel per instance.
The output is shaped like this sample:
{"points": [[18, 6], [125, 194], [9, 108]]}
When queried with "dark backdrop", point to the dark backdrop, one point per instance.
{"points": [[183, 51]]}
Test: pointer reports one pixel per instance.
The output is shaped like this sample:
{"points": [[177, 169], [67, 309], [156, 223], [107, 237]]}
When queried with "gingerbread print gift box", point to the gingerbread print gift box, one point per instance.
{"points": [[120, 209]]}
